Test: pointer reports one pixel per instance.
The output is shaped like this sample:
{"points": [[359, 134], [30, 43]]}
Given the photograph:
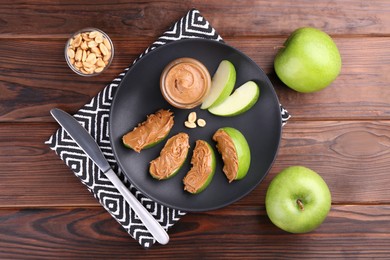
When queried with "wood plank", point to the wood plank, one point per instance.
{"points": [[356, 152], [238, 18], [31, 174], [359, 92], [235, 232], [28, 90], [351, 156]]}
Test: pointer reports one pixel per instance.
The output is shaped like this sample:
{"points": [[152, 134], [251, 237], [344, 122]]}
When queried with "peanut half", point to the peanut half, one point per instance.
{"points": [[190, 124], [201, 122], [192, 117], [89, 52]]}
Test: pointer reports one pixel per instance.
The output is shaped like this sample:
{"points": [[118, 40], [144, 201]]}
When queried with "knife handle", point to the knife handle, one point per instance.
{"points": [[148, 220]]}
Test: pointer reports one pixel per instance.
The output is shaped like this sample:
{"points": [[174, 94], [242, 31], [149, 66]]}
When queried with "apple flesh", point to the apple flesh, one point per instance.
{"points": [[242, 99], [297, 200], [309, 60], [222, 84]]}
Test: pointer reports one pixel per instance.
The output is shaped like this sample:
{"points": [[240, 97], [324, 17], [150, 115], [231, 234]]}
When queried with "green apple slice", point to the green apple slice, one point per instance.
{"points": [[222, 84], [202, 171], [242, 99], [172, 157], [150, 132], [235, 151]]}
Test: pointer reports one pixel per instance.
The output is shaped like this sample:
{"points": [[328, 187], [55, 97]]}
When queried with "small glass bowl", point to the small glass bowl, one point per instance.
{"points": [[78, 55], [185, 82]]}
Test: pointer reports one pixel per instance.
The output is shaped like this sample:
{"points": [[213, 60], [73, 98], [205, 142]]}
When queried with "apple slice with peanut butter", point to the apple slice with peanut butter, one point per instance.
{"points": [[236, 155], [171, 158], [202, 170], [150, 132]]}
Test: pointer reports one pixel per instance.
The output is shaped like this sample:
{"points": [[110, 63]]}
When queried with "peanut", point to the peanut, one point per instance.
{"points": [[107, 56], [84, 56], [79, 53], [201, 122], [99, 39], [71, 53], [99, 69], [107, 44], [94, 34], [96, 50], [77, 41], [103, 49], [84, 45], [92, 44], [78, 64], [100, 63], [91, 58], [86, 37], [190, 124], [192, 117]]}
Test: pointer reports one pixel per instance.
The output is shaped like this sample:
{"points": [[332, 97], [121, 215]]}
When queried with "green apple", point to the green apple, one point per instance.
{"points": [[242, 99], [309, 60], [241, 152], [297, 200], [222, 84]]}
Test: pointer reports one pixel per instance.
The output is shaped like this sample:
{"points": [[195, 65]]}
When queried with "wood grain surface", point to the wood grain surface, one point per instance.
{"points": [[349, 231], [342, 132]]}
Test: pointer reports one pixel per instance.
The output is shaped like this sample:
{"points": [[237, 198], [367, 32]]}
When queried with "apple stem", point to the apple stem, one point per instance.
{"points": [[300, 204]]}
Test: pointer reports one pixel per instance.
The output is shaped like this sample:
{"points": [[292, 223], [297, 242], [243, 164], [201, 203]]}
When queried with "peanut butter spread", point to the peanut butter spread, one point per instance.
{"points": [[228, 151], [186, 83], [171, 158], [154, 129], [201, 168]]}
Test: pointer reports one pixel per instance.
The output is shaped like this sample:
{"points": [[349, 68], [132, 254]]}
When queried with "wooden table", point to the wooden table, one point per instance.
{"points": [[342, 132]]}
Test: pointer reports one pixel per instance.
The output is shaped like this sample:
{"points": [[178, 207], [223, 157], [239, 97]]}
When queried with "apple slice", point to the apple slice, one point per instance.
{"points": [[222, 84], [242, 99], [150, 132], [202, 170], [235, 152], [171, 158]]}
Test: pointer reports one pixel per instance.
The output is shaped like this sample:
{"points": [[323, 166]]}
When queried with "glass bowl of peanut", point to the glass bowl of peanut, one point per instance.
{"points": [[89, 52]]}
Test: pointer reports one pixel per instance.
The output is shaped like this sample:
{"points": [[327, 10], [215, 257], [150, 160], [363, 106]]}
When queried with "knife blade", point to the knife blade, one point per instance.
{"points": [[92, 150]]}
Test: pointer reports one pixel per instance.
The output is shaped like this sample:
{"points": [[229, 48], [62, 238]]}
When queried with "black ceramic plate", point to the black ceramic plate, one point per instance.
{"points": [[139, 95]]}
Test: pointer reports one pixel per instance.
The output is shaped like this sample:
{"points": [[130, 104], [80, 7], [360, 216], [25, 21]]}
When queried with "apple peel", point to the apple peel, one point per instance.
{"points": [[222, 84], [242, 99], [297, 200]]}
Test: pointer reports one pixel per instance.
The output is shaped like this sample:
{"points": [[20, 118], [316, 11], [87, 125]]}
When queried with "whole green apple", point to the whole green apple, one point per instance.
{"points": [[309, 60], [297, 200]]}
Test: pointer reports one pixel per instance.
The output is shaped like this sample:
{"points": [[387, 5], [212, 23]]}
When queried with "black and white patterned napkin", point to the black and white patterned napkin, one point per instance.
{"points": [[94, 116]]}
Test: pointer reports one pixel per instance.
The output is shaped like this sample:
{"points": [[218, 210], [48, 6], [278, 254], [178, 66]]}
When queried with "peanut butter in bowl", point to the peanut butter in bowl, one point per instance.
{"points": [[185, 82]]}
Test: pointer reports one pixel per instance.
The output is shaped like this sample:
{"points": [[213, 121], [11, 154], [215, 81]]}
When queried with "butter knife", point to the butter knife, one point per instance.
{"points": [[91, 148]]}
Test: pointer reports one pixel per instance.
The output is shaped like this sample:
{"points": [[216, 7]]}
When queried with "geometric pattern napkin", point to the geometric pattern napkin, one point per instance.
{"points": [[94, 116]]}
